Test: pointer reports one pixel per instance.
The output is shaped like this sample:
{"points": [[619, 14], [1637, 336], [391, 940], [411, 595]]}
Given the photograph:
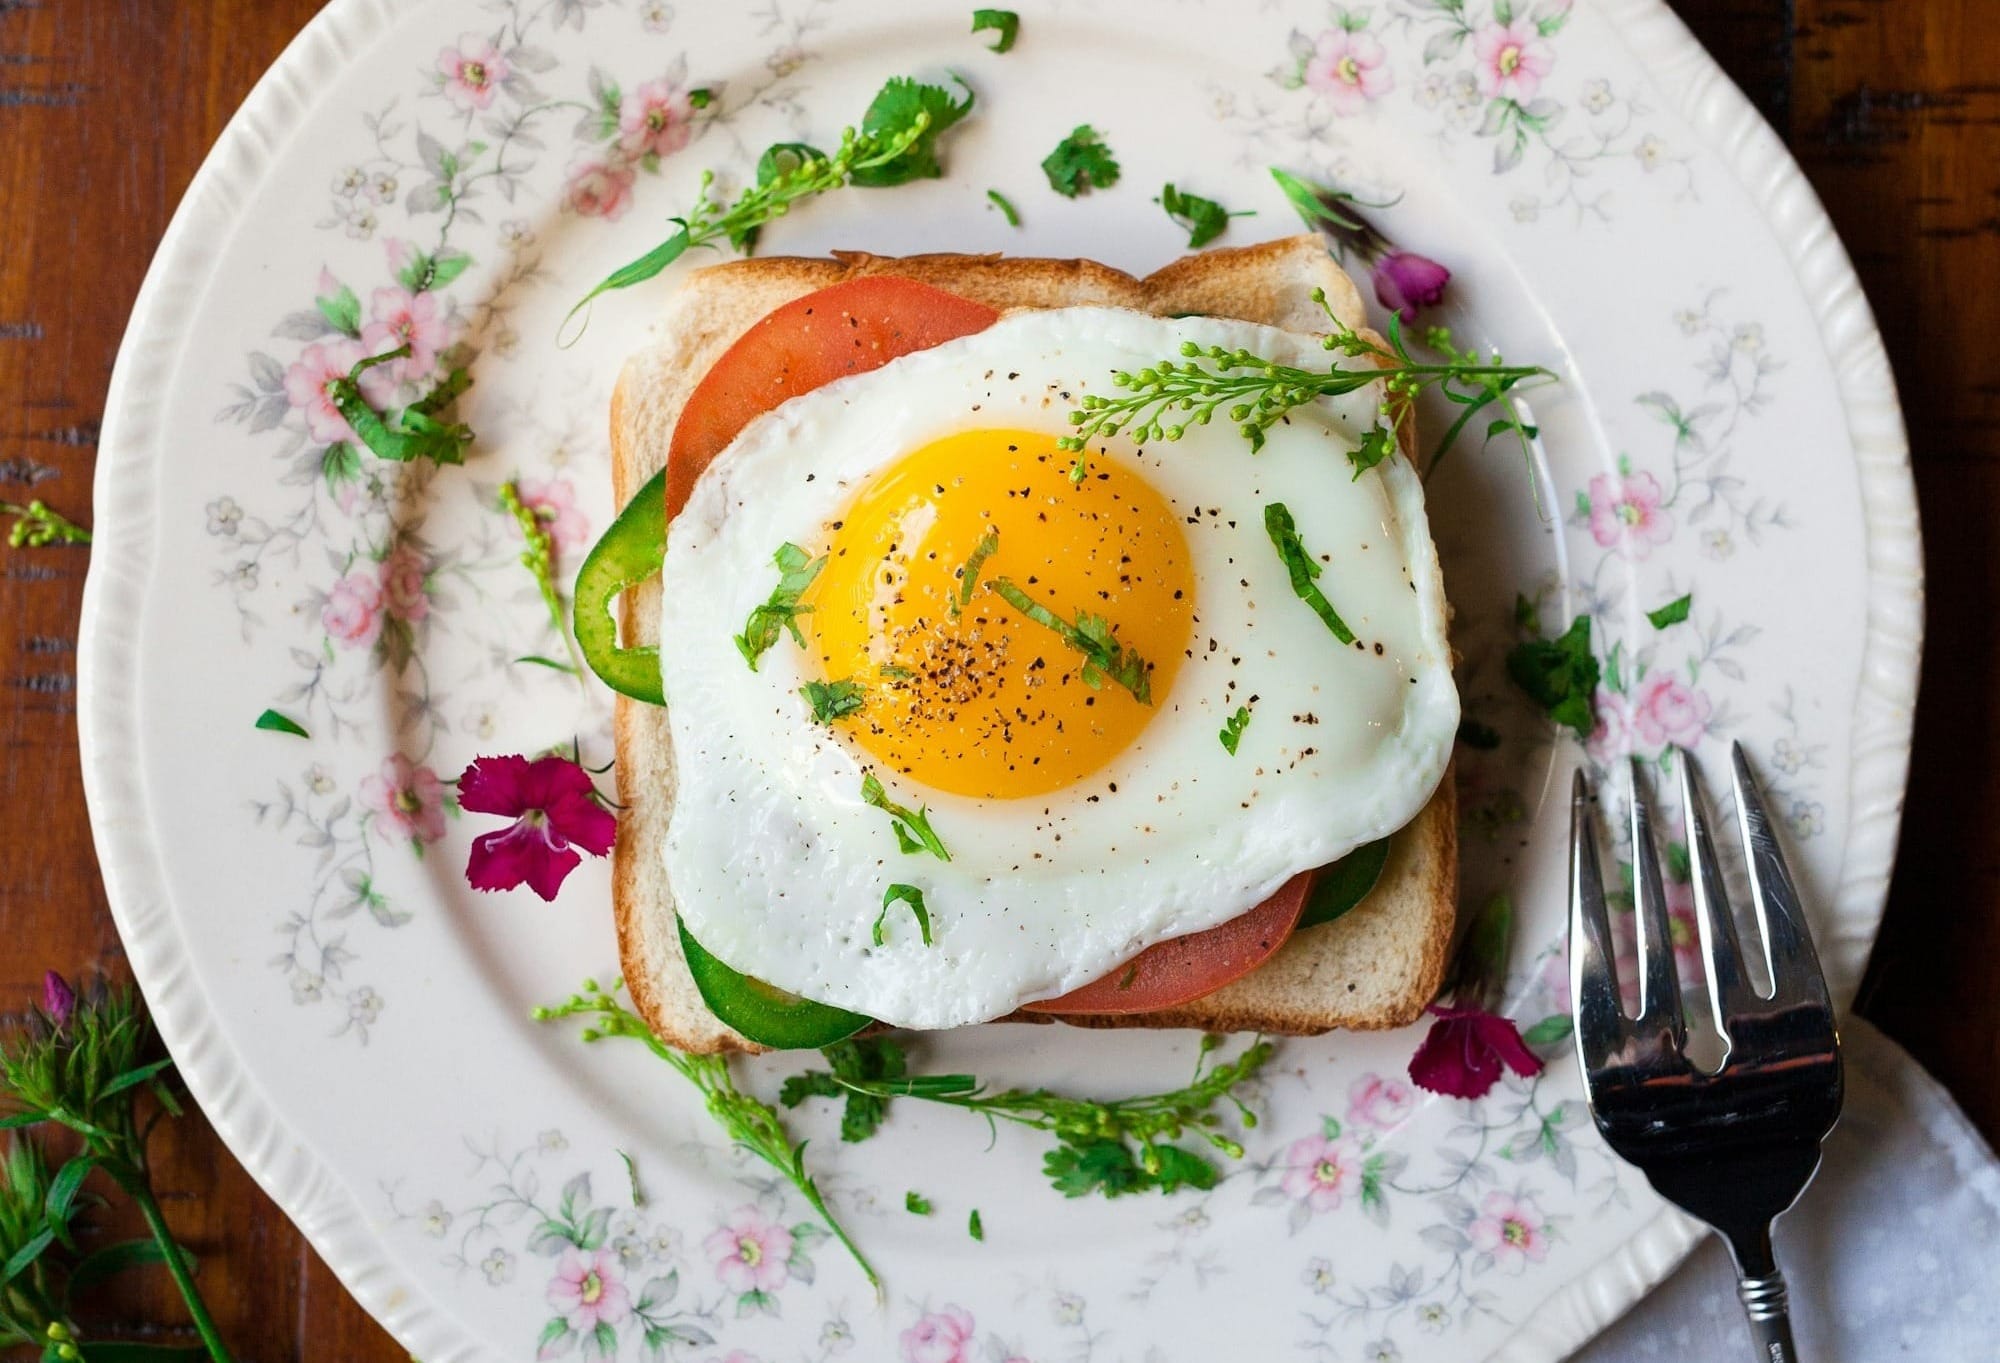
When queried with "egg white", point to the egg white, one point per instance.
{"points": [[779, 868]]}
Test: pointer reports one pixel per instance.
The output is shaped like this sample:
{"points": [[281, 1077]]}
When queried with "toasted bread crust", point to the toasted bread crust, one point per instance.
{"points": [[1374, 968]]}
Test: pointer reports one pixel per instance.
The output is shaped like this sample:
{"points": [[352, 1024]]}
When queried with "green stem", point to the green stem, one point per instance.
{"points": [[140, 1190]]}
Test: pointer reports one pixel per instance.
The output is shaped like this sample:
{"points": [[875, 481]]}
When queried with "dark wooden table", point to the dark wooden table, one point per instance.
{"points": [[107, 106]]}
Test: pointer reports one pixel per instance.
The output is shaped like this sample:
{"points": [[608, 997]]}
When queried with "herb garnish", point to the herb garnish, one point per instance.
{"points": [[1303, 568], [796, 571], [411, 432], [273, 722], [1233, 727], [1006, 207], [1004, 22], [913, 826], [1205, 219], [862, 1059], [968, 576], [974, 1226], [539, 558], [916, 1204], [1125, 1145], [752, 1124], [1080, 161], [833, 700], [37, 526], [895, 144], [1092, 636], [1560, 675], [1162, 400], [907, 894], [1672, 613]]}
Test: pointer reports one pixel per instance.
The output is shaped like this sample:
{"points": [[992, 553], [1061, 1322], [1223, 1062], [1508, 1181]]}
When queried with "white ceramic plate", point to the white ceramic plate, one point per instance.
{"points": [[355, 1021]]}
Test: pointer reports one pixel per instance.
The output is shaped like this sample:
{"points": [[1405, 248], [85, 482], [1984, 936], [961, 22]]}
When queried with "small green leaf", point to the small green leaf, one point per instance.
{"points": [[1378, 444], [1329, 1127], [1006, 207], [1560, 675], [25, 1256], [893, 111], [1080, 162], [974, 1226], [1233, 727], [1343, 885], [553, 664], [1315, 203], [1672, 613], [1549, 1030], [1303, 568], [1003, 22], [916, 1204], [446, 266], [906, 894], [132, 1078], [342, 311], [968, 576], [1205, 219], [624, 277], [913, 827], [60, 1204], [833, 700], [780, 612], [273, 722]]}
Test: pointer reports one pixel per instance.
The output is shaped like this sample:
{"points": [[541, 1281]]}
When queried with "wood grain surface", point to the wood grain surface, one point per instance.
{"points": [[107, 106]]}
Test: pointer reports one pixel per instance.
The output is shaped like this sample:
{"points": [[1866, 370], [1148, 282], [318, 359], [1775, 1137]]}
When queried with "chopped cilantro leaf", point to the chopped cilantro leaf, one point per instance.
{"points": [[916, 1204], [1377, 445], [897, 107], [907, 894], [1672, 613], [276, 723], [1092, 636], [913, 826], [1005, 24], [832, 700], [968, 576], [1232, 729], [1006, 207], [1080, 161], [796, 571], [1303, 568], [1560, 675], [974, 1226], [1205, 219]]}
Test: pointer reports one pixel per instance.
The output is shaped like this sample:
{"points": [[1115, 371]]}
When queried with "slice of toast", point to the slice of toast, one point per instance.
{"points": [[1375, 967]]}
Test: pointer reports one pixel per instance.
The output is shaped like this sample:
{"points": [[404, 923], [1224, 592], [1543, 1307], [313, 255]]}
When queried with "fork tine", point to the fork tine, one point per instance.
{"points": [[1788, 948], [1729, 993], [1659, 981], [1601, 1029]]}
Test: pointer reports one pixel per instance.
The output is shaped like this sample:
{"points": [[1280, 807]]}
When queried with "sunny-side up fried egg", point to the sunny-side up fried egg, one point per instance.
{"points": [[1085, 817]]}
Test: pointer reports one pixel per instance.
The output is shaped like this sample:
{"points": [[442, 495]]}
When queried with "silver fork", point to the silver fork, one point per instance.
{"points": [[1733, 1148]]}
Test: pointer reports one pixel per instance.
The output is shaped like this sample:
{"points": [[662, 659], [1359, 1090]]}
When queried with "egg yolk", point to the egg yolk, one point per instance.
{"points": [[963, 690]]}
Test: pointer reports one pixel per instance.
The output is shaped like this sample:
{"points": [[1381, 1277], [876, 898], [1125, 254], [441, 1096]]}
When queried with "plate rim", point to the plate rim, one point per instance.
{"points": [[311, 1196]]}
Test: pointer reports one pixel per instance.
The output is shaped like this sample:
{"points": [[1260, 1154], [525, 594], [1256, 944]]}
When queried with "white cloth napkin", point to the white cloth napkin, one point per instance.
{"points": [[1893, 1252]]}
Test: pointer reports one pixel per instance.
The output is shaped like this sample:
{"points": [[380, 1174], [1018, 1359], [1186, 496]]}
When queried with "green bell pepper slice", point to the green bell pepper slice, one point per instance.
{"points": [[764, 1013], [1345, 883], [630, 551]]}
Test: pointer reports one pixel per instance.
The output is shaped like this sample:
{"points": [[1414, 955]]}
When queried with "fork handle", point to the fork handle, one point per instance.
{"points": [[1770, 1319]]}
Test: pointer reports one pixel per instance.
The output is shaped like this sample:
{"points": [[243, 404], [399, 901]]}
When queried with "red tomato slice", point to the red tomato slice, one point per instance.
{"points": [[859, 325], [1183, 969], [846, 328]]}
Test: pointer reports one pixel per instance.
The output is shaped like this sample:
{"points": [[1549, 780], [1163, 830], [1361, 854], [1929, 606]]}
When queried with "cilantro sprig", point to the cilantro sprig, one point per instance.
{"points": [[751, 1123], [1108, 1147], [1303, 569], [781, 611], [913, 826], [1161, 401], [1092, 636], [864, 1060], [1205, 219], [1080, 162], [895, 143], [406, 433]]}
